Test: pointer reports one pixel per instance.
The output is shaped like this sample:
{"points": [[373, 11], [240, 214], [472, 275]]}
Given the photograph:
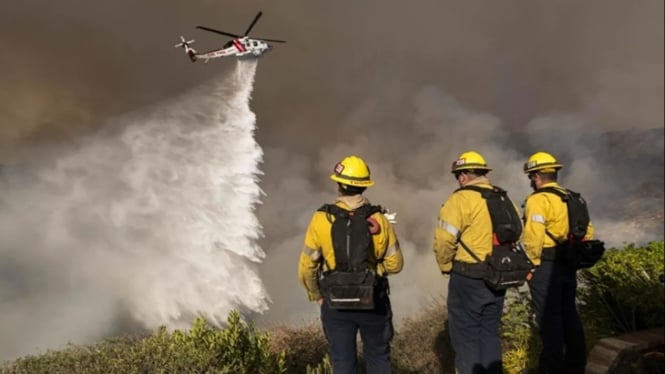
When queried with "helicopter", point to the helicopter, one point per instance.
{"points": [[239, 46]]}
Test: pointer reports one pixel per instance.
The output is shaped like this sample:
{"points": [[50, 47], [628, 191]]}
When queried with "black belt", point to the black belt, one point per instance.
{"points": [[553, 253], [472, 270]]}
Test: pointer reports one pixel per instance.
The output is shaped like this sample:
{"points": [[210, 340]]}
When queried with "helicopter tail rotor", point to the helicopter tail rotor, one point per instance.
{"points": [[185, 44]]}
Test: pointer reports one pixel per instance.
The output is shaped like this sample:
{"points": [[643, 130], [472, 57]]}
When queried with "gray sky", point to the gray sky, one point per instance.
{"points": [[74, 61], [408, 86]]}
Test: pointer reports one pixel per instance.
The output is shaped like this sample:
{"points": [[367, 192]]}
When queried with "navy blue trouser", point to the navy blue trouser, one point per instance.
{"points": [[376, 331], [474, 316], [553, 288]]}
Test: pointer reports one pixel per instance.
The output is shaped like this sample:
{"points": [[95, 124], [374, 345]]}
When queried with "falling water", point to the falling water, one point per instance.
{"points": [[151, 217]]}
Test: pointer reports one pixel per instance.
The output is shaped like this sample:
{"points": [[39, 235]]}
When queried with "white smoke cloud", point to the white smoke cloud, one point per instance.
{"points": [[461, 76], [410, 156], [412, 174], [152, 217]]}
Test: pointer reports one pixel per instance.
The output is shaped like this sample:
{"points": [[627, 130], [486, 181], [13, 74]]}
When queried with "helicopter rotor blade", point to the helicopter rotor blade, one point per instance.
{"points": [[271, 40], [218, 31], [251, 25]]}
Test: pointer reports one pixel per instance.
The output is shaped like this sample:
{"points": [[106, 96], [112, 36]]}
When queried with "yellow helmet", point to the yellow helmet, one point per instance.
{"points": [[352, 171], [469, 161], [542, 162]]}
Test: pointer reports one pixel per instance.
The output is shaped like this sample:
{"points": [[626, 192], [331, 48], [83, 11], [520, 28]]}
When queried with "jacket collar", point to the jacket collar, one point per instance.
{"points": [[551, 184], [352, 202], [481, 181]]}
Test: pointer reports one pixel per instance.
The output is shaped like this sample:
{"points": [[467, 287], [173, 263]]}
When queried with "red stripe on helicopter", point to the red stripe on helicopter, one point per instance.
{"points": [[239, 46]]}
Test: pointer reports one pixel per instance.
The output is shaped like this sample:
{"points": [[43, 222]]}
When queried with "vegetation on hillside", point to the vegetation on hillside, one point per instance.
{"points": [[623, 292]]}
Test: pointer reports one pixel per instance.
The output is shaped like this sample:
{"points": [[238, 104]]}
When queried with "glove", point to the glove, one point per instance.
{"points": [[391, 217]]}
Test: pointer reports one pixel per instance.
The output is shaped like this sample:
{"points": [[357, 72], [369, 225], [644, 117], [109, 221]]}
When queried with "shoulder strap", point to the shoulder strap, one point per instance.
{"points": [[369, 209], [562, 193], [333, 209], [483, 191], [564, 197], [475, 257], [552, 237]]}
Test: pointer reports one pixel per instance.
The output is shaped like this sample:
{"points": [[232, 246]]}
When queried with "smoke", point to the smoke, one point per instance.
{"points": [[411, 168], [151, 218], [406, 86]]}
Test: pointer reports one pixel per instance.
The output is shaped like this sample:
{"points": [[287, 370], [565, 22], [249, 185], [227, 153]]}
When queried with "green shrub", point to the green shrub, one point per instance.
{"points": [[519, 336], [238, 348], [303, 345], [324, 367], [623, 292]]}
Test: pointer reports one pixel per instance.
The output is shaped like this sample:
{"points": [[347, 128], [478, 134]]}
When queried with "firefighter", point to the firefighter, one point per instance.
{"points": [[474, 309], [318, 257], [554, 283]]}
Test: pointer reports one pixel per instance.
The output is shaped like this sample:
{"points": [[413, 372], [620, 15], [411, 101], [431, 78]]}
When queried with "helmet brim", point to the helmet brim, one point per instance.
{"points": [[543, 168], [470, 167], [352, 182]]}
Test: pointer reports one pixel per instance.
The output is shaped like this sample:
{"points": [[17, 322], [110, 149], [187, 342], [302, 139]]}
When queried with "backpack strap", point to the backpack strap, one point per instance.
{"points": [[365, 209], [368, 210], [564, 193], [335, 210], [332, 210], [483, 191], [564, 198], [469, 251]]}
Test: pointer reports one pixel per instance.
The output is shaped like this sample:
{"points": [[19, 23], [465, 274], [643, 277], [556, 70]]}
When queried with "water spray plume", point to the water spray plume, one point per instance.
{"points": [[155, 220]]}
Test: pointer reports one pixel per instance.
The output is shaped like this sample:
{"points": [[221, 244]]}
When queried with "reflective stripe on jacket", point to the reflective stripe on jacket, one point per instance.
{"points": [[546, 211], [319, 251]]}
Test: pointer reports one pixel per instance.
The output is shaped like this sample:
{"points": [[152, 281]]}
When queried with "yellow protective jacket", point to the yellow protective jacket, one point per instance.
{"points": [[319, 247], [464, 216], [546, 211]]}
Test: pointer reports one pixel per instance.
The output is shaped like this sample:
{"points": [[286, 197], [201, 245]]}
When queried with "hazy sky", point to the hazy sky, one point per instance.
{"points": [[407, 85], [70, 62]]}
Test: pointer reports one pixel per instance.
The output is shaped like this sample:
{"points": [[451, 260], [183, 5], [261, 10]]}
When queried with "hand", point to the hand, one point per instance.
{"points": [[320, 301]]}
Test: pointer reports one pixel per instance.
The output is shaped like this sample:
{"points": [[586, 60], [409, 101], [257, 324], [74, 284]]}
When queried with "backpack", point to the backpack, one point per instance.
{"points": [[353, 281], [575, 250], [507, 265]]}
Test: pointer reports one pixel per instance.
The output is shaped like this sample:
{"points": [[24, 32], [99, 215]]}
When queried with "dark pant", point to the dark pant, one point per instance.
{"points": [[474, 316], [376, 332], [553, 288]]}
